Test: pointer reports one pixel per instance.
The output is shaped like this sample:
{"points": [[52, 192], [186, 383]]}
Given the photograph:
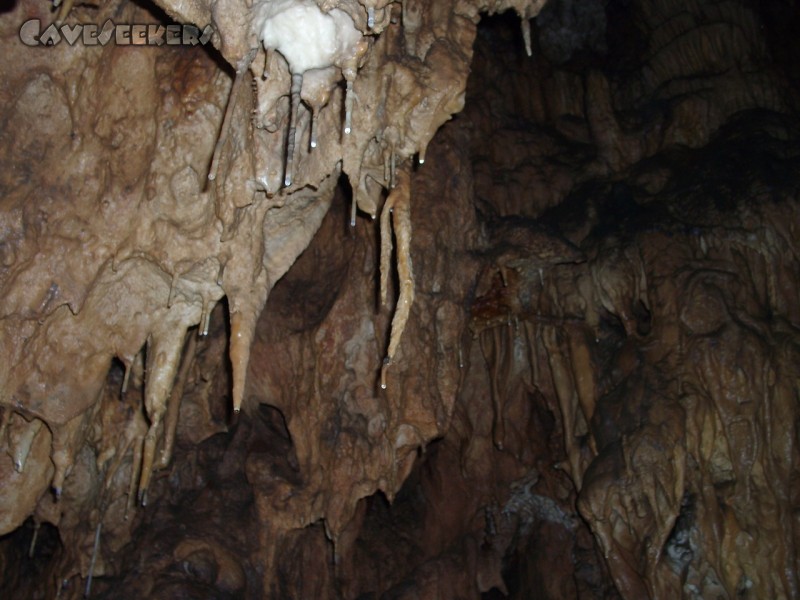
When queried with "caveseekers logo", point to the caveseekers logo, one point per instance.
{"points": [[91, 34]]}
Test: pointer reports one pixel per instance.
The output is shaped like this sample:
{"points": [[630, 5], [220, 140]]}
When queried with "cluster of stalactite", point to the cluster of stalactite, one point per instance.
{"points": [[650, 305], [144, 187], [668, 350], [595, 317]]}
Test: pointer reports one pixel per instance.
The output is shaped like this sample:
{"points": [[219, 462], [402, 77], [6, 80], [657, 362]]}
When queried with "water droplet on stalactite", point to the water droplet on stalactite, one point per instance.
{"points": [[297, 85]]}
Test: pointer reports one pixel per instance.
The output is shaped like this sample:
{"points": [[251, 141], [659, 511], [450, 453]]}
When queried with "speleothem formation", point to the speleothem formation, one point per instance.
{"points": [[422, 299]]}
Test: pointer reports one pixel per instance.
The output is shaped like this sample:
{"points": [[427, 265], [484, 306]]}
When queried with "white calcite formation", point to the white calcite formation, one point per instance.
{"points": [[311, 41]]}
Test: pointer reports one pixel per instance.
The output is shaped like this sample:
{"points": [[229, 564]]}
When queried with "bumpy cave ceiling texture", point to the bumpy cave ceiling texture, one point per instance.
{"points": [[407, 300]]}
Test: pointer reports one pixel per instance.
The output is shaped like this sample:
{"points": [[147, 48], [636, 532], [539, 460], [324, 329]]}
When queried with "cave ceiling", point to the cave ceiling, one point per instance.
{"points": [[419, 299]]}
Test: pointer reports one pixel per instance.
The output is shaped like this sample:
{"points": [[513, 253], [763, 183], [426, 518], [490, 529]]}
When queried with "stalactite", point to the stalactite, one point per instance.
{"points": [[386, 247], [126, 378], [492, 346], [136, 471], [61, 452], [163, 356], [312, 134], [242, 73], [173, 284], [125, 444], [510, 355], [526, 34], [243, 323], [353, 211], [583, 373], [348, 107], [32, 548], [174, 403], [400, 208], [20, 439], [95, 549], [265, 67], [205, 318], [318, 85], [64, 10], [297, 86], [567, 401]]}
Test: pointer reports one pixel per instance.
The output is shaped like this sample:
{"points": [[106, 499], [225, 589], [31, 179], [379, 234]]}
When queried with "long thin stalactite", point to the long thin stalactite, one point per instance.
{"points": [[398, 206]]}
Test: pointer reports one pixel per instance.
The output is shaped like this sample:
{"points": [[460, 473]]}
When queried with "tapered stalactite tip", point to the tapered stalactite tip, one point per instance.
{"points": [[526, 35]]}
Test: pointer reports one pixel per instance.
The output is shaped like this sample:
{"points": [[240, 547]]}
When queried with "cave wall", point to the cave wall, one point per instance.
{"points": [[574, 375]]}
